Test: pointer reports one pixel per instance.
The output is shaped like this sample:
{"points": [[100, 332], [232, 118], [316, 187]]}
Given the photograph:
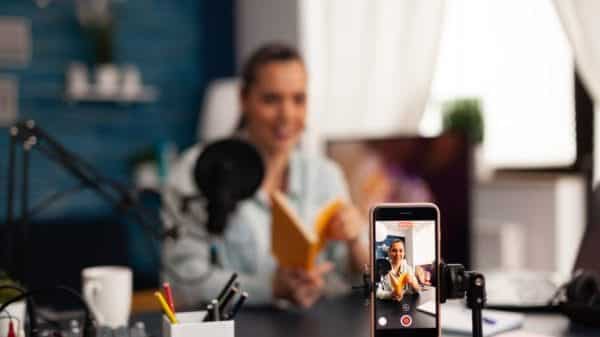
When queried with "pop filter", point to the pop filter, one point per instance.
{"points": [[227, 172]]}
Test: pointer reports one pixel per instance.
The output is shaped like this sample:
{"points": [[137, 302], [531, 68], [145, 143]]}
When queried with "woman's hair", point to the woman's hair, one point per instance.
{"points": [[268, 53], [398, 241]]}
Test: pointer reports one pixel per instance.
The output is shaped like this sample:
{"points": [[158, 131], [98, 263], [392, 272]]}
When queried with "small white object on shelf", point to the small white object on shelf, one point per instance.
{"points": [[191, 324], [132, 82], [107, 80], [112, 84], [77, 80]]}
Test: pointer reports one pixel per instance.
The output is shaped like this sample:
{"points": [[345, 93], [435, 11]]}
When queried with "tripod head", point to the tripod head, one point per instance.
{"points": [[454, 283]]}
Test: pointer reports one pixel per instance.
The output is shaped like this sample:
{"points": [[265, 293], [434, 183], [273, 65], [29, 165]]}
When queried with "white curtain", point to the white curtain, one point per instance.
{"points": [[371, 63], [580, 19]]}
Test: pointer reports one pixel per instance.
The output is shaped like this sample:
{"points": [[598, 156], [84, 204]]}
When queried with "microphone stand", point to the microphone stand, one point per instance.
{"points": [[32, 137]]}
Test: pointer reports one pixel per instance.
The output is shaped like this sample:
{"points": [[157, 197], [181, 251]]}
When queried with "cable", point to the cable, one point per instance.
{"points": [[10, 317], [30, 305], [90, 321]]}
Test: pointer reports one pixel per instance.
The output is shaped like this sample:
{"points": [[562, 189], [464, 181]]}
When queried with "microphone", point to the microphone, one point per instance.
{"points": [[226, 172]]}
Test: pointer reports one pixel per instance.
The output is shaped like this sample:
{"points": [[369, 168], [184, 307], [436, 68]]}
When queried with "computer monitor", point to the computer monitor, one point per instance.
{"points": [[413, 169]]}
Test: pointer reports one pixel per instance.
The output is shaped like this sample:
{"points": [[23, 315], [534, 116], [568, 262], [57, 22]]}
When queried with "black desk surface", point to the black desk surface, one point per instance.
{"points": [[349, 317]]}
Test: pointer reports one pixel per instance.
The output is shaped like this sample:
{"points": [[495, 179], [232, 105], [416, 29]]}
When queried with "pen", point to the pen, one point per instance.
{"points": [[215, 310], [223, 304], [488, 320], [226, 288], [166, 308], [169, 295], [238, 305]]}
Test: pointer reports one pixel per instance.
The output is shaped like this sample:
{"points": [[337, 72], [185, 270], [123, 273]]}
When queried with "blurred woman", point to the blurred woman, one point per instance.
{"points": [[401, 277], [273, 98]]}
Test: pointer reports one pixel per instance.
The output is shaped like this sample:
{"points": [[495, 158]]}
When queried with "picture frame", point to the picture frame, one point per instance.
{"points": [[9, 90]]}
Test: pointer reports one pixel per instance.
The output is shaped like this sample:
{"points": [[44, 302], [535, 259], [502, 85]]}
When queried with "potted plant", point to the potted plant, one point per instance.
{"points": [[15, 310], [464, 115], [96, 18]]}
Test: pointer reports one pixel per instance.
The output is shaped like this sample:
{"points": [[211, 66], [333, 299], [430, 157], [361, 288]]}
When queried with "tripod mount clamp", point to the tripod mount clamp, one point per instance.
{"points": [[455, 283]]}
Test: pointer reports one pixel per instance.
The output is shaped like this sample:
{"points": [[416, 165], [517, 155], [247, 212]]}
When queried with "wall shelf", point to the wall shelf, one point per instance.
{"points": [[146, 94]]}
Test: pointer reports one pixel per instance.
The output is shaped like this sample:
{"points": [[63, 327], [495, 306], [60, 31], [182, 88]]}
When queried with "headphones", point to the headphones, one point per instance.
{"points": [[579, 299]]}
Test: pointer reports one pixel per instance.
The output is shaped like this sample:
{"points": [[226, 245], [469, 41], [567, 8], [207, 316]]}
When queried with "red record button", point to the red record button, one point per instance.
{"points": [[406, 320]]}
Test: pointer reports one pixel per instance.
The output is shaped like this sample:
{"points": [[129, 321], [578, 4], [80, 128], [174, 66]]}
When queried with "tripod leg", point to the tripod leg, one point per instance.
{"points": [[477, 326], [476, 300]]}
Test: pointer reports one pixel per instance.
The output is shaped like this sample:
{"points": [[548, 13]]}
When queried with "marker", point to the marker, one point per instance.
{"points": [[165, 307], [225, 290], [169, 295], [11, 328], [238, 305]]}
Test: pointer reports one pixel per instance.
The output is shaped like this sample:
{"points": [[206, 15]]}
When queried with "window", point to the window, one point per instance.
{"points": [[515, 56]]}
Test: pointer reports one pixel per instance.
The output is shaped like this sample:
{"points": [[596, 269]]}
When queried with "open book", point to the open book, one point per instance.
{"points": [[399, 282], [292, 245]]}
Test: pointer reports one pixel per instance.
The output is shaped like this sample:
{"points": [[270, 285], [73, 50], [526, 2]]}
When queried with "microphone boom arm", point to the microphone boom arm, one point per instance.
{"points": [[31, 137]]}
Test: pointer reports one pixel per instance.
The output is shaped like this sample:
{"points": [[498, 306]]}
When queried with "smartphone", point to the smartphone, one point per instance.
{"points": [[405, 256]]}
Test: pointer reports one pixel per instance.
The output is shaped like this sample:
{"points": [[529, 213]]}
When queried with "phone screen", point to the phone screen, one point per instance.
{"points": [[405, 261]]}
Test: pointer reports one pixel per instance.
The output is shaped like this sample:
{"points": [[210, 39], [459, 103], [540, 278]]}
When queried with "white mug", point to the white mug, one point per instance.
{"points": [[107, 291]]}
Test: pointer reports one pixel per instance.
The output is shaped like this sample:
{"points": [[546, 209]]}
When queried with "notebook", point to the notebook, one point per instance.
{"points": [[456, 318], [427, 307]]}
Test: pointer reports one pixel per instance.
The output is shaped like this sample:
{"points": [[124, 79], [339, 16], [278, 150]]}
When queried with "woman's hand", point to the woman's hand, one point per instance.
{"points": [[412, 280], [301, 287], [346, 225], [420, 274], [397, 296]]}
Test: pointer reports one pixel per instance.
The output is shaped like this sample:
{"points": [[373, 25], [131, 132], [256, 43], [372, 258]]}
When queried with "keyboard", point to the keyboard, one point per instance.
{"points": [[526, 290]]}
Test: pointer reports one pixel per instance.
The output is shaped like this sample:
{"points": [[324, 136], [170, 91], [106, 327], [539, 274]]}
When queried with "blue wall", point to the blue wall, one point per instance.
{"points": [[178, 45]]}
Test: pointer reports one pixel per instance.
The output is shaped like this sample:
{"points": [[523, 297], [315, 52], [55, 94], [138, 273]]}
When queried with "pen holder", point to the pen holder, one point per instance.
{"points": [[191, 325]]}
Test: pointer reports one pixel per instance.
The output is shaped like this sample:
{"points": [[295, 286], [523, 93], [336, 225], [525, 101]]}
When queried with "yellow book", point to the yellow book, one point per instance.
{"points": [[399, 283], [291, 244]]}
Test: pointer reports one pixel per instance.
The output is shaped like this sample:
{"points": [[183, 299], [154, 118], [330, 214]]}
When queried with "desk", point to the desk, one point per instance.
{"points": [[349, 317]]}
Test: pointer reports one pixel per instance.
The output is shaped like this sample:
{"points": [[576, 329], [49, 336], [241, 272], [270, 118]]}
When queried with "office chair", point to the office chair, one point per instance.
{"points": [[220, 110]]}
